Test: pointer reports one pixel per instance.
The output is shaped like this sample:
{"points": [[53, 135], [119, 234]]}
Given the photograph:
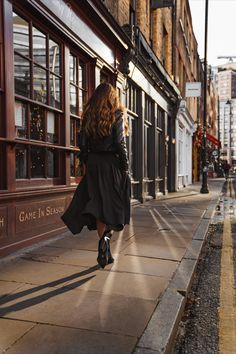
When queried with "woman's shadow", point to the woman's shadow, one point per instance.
{"points": [[44, 297]]}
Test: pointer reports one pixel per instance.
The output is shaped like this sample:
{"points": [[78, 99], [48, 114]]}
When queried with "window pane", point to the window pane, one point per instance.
{"points": [[39, 47], [52, 163], [37, 123], [82, 75], [75, 167], [73, 100], [55, 91], [72, 164], [22, 76], [20, 35], [52, 127], [72, 132], [54, 57], [20, 120], [73, 69], [37, 161], [40, 84], [77, 128], [21, 162], [82, 99]]}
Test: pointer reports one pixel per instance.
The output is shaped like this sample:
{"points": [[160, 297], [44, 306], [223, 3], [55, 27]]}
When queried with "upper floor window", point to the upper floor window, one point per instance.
{"points": [[132, 98], [148, 109], [37, 66]]}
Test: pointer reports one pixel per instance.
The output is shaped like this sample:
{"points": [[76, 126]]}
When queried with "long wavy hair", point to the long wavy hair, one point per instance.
{"points": [[100, 112]]}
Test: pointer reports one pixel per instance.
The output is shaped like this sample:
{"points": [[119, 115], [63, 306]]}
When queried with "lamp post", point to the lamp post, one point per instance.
{"points": [[204, 188]]}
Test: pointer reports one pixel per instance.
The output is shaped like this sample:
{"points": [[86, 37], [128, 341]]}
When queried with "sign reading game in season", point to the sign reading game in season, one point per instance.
{"points": [[193, 89]]}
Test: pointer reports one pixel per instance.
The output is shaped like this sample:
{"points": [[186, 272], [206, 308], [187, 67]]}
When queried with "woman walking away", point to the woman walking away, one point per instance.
{"points": [[102, 199]]}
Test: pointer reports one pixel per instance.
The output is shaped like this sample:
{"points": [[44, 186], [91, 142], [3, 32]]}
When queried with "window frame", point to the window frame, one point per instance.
{"points": [[28, 142]]}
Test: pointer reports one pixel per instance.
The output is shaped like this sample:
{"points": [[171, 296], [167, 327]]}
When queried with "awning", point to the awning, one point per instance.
{"points": [[213, 140]]}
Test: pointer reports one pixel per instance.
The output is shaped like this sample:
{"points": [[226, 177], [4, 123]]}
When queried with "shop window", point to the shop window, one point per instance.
{"points": [[38, 114], [21, 162], [36, 162], [78, 98]]}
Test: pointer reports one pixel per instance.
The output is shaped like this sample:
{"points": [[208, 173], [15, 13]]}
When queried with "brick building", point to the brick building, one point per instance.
{"points": [[226, 87]]}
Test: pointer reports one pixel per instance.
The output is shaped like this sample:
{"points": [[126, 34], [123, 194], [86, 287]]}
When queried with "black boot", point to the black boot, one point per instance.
{"points": [[102, 252], [107, 237]]}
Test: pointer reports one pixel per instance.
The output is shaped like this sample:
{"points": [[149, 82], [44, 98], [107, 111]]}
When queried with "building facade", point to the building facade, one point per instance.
{"points": [[226, 86], [53, 53], [186, 69]]}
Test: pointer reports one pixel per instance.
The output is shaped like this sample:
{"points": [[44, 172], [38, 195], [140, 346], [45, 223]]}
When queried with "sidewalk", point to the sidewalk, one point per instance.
{"points": [[54, 299]]}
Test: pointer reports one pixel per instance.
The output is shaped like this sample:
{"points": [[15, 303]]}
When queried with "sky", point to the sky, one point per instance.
{"points": [[221, 28]]}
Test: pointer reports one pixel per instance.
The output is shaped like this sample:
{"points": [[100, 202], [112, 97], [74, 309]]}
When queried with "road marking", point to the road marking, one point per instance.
{"points": [[227, 311]]}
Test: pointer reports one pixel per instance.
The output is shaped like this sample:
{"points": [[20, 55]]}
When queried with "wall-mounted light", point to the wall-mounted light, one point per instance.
{"points": [[167, 138], [173, 141]]}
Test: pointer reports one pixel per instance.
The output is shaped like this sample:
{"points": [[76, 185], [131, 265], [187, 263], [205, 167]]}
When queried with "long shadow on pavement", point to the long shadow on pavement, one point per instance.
{"points": [[44, 297]]}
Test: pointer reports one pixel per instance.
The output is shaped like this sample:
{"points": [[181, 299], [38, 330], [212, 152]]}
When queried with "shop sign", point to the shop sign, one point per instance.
{"points": [[193, 89], [39, 214]]}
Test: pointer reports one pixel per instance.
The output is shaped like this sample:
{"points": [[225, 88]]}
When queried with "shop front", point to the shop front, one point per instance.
{"points": [[51, 57]]}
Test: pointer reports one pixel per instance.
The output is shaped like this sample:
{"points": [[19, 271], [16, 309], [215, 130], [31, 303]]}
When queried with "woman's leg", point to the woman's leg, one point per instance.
{"points": [[100, 228]]}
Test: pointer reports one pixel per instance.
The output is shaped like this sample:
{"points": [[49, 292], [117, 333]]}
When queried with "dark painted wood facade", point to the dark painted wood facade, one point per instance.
{"points": [[53, 54]]}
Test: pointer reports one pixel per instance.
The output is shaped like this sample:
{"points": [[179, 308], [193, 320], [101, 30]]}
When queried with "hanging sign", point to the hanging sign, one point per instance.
{"points": [[193, 89]]}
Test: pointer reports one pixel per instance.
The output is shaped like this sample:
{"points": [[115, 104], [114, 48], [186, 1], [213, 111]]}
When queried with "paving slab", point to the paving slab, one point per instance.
{"points": [[39, 273], [148, 250], [142, 265], [164, 238], [70, 257], [46, 339], [11, 331], [82, 309], [6, 287], [142, 286]]}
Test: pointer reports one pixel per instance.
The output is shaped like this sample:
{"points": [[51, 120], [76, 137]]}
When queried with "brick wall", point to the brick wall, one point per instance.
{"points": [[119, 10], [162, 28], [143, 17]]}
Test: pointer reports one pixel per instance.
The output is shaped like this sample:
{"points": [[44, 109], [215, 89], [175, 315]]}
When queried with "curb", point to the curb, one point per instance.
{"points": [[160, 333]]}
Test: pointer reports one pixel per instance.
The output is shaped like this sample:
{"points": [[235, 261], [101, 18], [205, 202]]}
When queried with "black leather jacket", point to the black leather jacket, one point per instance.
{"points": [[113, 143]]}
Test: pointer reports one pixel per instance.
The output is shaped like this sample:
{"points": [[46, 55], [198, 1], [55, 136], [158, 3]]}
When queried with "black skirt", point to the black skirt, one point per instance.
{"points": [[103, 194]]}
